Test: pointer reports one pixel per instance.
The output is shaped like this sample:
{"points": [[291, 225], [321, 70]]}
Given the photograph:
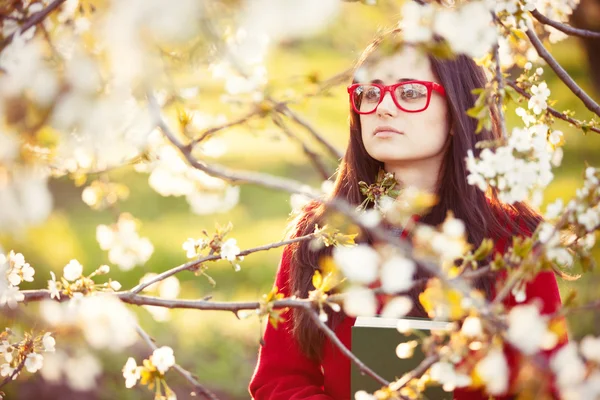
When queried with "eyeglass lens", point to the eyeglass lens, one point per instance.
{"points": [[410, 96]]}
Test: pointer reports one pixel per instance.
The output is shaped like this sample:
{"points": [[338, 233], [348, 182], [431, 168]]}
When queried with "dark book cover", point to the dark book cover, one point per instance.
{"points": [[374, 342]]}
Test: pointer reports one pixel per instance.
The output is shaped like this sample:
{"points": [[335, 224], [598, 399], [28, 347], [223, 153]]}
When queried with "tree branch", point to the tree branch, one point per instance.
{"points": [[565, 28], [499, 99], [314, 157], [560, 72], [34, 20], [256, 112], [415, 373], [335, 340], [219, 171], [550, 110], [192, 264], [284, 109]]}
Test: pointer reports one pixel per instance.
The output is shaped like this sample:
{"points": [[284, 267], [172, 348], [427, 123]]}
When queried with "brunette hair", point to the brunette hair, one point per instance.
{"points": [[483, 216]]}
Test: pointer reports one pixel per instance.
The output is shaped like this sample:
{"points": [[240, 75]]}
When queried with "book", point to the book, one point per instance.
{"points": [[374, 342]]}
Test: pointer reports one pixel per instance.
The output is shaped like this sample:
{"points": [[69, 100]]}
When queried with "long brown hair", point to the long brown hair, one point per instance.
{"points": [[483, 216]]}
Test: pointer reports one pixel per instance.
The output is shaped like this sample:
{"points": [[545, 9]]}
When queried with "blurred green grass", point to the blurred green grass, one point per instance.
{"points": [[216, 346]]}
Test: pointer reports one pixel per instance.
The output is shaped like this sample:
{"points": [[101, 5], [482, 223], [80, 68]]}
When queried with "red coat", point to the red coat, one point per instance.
{"points": [[284, 373]]}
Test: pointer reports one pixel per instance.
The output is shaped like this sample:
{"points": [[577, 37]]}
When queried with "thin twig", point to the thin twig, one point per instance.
{"points": [[284, 109], [34, 20], [550, 110], [200, 389], [569, 30], [231, 176], [256, 112], [415, 373], [499, 99], [560, 72], [592, 305], [334, 339], [192, 264], [314, 157]]}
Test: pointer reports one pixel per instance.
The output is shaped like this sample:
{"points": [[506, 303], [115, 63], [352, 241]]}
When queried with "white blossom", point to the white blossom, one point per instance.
{"points": [[106, 322], [54, 363], [590, 219], [81, 371], [527, 118], [362, 395], [556, 137], [131, 373], [528, 330], [48, 342], [397, 307], [471, 327], [415, 22], [163, 358], [125, 247], [468, 28], [358, 263], [554, 209], [568, 366], [590, 348], [6, 369], [493, 371], [360, 301], [406, 350], [34, 362], [397, 274], [191, 246], [73, 270], [230, 250], [25, 199], [444, 373], [11, 296], [537, 101], [6, 349], [53, 288]]}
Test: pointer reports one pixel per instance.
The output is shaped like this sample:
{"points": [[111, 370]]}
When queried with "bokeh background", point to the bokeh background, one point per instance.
{"points": [[220, 349]]}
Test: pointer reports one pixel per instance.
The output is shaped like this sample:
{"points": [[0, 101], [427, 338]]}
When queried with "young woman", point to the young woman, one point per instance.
{"points": [[407, 116]]}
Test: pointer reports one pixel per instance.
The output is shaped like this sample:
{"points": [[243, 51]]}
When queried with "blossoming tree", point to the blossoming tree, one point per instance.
{"points": [[89, 87]]}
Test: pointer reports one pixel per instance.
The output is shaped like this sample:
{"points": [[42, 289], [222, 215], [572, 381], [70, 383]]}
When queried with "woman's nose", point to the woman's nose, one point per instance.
{"points": [[387, 106]]}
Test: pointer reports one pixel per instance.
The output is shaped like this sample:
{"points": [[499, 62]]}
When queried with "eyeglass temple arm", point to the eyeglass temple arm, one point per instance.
{"points": [[438, 87]]}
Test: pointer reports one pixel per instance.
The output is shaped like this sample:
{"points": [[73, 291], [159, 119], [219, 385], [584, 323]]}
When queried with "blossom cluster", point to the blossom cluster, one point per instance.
{"points": [[126, 248], [521, 167], [365, 266], [26, 351], [152, 369], [467, 28], [171, 175], [558, 10], [76, 285], [13, 271], [227, 249]]}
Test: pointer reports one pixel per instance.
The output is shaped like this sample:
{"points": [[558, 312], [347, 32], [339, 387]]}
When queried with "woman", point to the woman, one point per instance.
{"points": [[408, 117]]}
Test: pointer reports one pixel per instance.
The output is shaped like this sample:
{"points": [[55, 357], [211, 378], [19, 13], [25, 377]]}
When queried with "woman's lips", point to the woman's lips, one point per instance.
{"points": [[386, 131]]}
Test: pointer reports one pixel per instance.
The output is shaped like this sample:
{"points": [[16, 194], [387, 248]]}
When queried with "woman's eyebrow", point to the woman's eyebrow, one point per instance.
{"points": [[379, 81]]}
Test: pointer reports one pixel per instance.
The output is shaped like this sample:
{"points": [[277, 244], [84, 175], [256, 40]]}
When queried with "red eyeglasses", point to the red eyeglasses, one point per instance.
{"points": [[409, 96]]}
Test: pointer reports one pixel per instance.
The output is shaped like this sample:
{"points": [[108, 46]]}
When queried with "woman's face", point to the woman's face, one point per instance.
{"points": [[393, 136]]}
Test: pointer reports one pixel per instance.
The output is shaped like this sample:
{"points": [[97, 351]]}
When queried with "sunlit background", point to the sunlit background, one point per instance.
{"points": [[220, 349]]}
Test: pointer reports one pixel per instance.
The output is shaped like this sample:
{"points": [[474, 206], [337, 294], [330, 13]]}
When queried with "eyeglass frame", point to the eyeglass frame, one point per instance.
{"points": [[431, 86]]}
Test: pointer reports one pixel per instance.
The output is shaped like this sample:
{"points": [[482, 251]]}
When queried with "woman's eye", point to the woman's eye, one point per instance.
{"points": [[371, 94], [411, 93]]}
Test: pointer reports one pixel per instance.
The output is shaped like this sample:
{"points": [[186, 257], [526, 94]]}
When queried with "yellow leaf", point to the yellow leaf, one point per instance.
{"points": [[454, 298], [317, 280]]}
